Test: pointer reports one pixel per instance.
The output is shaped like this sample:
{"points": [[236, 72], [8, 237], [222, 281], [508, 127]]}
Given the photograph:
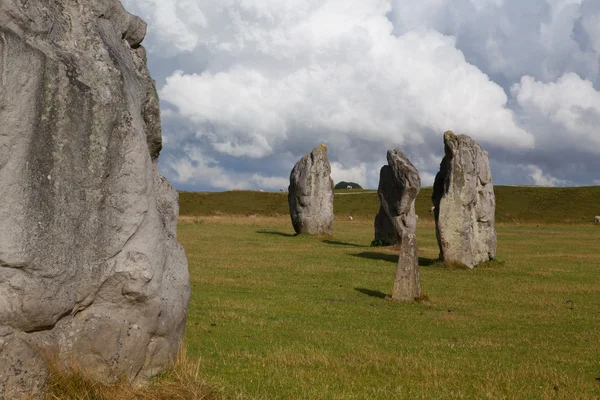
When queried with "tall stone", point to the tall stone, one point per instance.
{"points": [[310, 194], [396, 222], [90, 268], [385, 231], [465, 206]]}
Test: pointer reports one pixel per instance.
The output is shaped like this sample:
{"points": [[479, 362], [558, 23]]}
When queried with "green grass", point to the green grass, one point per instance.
{"points": [[277, 316], [514, 204]]}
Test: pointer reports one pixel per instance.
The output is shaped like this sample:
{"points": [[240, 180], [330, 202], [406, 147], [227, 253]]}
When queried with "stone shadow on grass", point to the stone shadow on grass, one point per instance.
{"points": [[426, 261], [277, 233], [372, 255], [372, 293], [342, 243]]}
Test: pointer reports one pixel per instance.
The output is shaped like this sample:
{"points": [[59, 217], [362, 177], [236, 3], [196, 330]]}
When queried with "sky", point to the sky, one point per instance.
{"points": [[248, 87]]}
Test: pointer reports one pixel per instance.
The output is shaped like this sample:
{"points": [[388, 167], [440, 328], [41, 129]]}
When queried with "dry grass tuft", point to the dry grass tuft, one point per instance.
{"points": [[181, 382], [423, 299]]}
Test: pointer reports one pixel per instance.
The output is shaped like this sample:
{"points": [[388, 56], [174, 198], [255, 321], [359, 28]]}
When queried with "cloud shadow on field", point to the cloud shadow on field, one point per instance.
{"points": [[372, 293], [342, 243], [276, 233]]}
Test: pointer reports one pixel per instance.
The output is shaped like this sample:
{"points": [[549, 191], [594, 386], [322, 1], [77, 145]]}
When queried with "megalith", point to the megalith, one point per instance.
{"points": [[91, 272], [310, 194], [385, 231], [464, 203], [396, 222]]}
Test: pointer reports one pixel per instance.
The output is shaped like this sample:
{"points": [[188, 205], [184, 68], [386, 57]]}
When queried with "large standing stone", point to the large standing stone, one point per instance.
{"points": [[465, 206], [310, 195], [385, 231], [396, 222], [90, 268]]}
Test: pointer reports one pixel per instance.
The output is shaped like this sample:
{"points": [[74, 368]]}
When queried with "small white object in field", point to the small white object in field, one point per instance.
{"points": [[350, 217]]}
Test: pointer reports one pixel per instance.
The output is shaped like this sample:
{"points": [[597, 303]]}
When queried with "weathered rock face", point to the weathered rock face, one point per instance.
{"points": [[396, 222], [310, 195], [90, 269], [465, 206], [385, 231]]}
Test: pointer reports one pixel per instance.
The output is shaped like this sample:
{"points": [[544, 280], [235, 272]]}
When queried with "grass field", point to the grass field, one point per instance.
{"points": [[513, 204], [278, 316]]}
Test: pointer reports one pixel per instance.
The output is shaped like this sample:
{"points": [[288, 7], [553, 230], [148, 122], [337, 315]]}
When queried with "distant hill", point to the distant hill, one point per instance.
{"points": [[344, 185], [513, 204]]}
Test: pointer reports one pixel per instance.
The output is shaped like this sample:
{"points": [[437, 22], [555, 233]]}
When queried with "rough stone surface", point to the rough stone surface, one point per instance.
{"points": [[396, 222], [310, 194], [465, 206], [385, 231], [90, 268]]}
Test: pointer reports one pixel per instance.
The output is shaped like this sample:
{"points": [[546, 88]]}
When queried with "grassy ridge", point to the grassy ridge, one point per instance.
{"points": [[514, 204]]}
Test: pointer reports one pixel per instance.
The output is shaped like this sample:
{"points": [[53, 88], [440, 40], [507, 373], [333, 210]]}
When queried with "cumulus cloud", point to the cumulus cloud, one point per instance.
{"points": [[565, 110], [257, 83], [174, 24], [539, 178], [357, 174], [198, 168], [512, 38], [372, 94]]}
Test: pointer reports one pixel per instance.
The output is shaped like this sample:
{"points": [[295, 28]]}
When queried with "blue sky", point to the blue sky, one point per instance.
{"points": [[248, 86]]}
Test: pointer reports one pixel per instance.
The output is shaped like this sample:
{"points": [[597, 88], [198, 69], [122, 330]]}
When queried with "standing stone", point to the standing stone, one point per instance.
{"points": [[90, 268], [465, 206], [396, 222], [385, 231], [310, 194]]}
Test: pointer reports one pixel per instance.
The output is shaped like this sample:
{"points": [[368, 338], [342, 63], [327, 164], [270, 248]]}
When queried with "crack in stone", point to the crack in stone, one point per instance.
{"points": [[4, 57]]}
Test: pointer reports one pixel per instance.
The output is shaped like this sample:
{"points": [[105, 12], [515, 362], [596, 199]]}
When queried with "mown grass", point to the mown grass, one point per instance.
{"points": [[514, 204], [278, 316]]}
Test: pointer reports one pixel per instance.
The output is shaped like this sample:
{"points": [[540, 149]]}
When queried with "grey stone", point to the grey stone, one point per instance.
{"points": [[396, 222], [464, 201], [310, 194], [90, 268], [385, 231]]}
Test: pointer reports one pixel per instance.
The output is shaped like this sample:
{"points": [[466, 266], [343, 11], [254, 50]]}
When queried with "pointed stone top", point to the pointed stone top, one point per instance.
{"points": [[403, 169], [452, 138], [449, 135], [399, 152]]}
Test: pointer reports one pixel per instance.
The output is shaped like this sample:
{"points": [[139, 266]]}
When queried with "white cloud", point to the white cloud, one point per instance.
{"points": [[539, 178], [336, 68], [195, 167], [174, 23], [261, 82], [567, 110], [589, 23], [427, 178], [357, 174], [512, 38]]}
